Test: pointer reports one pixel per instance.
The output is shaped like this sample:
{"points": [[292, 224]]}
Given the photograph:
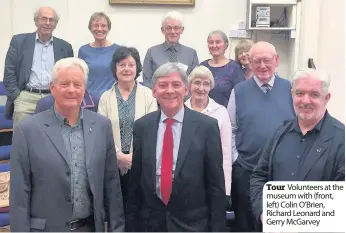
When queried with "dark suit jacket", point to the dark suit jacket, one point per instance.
{"points": [[18, 64], [198, 201], [90, 102], [324, 162], [40, 175]]}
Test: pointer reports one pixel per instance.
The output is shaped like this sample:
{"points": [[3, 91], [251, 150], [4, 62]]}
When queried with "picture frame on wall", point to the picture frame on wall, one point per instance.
{"points": [[154, 2]]}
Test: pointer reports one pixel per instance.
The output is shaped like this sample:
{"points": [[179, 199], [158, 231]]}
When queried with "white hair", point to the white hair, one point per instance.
{"points": [[69, 63], [174, 15], [37, 14], [313, 73], [201, 72]]}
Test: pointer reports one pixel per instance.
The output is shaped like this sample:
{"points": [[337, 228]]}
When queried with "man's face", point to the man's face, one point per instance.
{"points": [[170, 92], [308, 99], [172, 29], [69, 88], [99, 29], [46, 22], [264, 63]]}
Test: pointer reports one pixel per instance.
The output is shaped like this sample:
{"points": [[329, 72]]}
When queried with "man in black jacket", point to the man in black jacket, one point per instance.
{"points": [[308, 148]]}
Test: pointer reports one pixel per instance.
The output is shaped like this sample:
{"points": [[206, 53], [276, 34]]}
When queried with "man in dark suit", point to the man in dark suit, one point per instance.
{"points": [[308, 148], [64, 175], [177, 181], [28, 64]]}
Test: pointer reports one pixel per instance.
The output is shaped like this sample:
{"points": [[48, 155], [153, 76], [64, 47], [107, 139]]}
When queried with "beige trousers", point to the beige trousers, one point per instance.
{"points": [[25, 105]]}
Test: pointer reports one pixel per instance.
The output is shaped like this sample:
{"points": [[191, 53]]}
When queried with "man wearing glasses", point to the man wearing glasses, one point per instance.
{"points": [[256, 107], [169, 51], [28, 64]]}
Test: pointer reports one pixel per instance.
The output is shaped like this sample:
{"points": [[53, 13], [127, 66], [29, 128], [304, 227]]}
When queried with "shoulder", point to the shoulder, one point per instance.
{"points": [[61, 41], [147, 119], [107, 93], [337, 126], [19, 38], [143, 90], [34, 122], [155, 48], [243, 84], [202, 119], [84, 47], [282, 80], [187, 48], [94, 116], [205, 63]]}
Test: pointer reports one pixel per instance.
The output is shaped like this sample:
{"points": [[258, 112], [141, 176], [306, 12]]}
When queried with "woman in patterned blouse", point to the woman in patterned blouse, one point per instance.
{"points": [[124, 103]]}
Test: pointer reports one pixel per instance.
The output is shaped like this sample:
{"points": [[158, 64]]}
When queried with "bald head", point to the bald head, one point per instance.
{"points": [[262, 46], [264, 60], [46, 10]]}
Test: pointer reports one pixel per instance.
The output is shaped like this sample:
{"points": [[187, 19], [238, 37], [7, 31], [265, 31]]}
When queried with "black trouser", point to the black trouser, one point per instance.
{"points": [[124, 182], [244, 217]]}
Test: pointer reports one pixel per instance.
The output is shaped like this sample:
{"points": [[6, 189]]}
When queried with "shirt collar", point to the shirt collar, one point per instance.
{"points": [[179, 116], [206, 109], [166, 46], [38, 39], [63, 120], [318, 127], [260, 84]]}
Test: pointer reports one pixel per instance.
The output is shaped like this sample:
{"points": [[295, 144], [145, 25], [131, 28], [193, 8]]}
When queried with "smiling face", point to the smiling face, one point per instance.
{"points": [[99, 29], [69, 88], [172, 30], [216, 45], [126, 70], [170, 92], [309, 99], [46, 22], [200, 88]]}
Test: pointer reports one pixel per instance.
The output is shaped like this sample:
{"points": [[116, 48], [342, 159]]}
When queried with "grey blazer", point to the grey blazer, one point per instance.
{"points": [[18, 64], [40, 187]]}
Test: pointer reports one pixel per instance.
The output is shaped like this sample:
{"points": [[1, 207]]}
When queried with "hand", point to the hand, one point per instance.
{"points": [[124, 162], [261, 218]]}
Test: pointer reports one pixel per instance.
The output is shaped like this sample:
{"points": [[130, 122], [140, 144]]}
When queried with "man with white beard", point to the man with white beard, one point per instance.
{"points": [[308, 148]]}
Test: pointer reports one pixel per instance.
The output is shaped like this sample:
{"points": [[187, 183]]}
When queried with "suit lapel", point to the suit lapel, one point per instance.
{"points": [[151, 156], [318, 148], [58, 51], [89, 136], [28, 53], [187, 133], [53, 131]]}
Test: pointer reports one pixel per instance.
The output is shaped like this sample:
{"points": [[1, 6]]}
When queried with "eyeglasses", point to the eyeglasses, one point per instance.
{"points": [[266, 61], [244, 53], [49, 20], [168, 29], [199, 84]]}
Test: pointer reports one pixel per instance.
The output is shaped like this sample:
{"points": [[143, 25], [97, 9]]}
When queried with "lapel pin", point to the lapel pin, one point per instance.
{"points": [[90, 130], [319, 150]]}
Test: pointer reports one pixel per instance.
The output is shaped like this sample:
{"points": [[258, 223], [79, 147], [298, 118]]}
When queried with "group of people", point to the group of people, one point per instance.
{"points": [[92, 145]]}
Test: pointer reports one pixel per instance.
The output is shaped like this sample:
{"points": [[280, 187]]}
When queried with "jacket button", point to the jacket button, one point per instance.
{"points": [[68, 199]]}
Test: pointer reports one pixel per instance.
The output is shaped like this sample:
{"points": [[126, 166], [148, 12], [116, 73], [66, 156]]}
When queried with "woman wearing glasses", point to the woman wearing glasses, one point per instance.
{"points": [[242, 55], [201, 82], [226, 72], [124, 103], [98, 54]]}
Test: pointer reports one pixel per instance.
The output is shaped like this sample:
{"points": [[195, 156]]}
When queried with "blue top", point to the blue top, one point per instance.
{"points": [[98, 59], [259, 114], [225, 78]]}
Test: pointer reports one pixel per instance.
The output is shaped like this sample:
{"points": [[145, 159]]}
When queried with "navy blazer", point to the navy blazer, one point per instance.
{"points": [[324, 162], [18, 64], [90, 102]]}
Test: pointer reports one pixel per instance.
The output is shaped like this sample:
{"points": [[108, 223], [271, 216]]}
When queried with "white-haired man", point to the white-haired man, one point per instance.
{"points": [[169, 51], [64, 175], [310, 147], [29, 62]]}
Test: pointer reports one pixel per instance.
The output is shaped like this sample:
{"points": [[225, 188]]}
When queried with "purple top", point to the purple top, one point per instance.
{"points": [[226, 77]]}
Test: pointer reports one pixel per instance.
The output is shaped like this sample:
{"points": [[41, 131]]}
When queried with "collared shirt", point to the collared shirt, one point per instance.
{"points": [[177, 127], [42, 64], [231, 108], [160, 54], [126, 113], [80, 191], [292, 150]]}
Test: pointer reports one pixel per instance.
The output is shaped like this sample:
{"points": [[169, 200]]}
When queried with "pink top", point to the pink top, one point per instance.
{"points": [[220, 113]]}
